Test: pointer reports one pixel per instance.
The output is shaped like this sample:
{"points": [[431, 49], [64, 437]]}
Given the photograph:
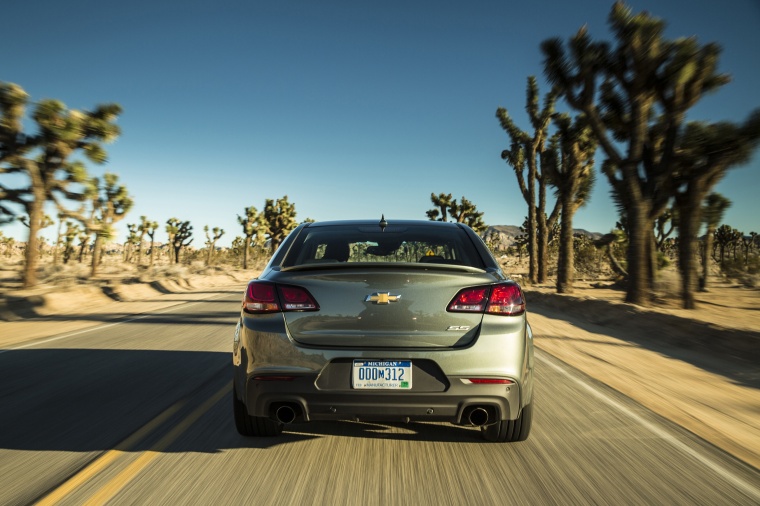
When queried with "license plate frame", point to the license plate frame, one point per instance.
{"points": [[381, 375]]}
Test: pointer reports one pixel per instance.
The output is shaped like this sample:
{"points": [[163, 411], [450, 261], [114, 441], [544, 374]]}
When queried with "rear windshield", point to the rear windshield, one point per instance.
{"points": [[401, 243]]}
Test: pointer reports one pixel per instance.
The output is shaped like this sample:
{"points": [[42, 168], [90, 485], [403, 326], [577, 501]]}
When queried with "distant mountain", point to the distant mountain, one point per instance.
{"points": [[593, 235], [508, 234]]}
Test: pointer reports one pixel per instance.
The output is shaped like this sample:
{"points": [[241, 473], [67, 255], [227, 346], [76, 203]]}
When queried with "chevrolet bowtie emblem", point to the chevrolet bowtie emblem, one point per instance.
{"points": [[382, 298]]}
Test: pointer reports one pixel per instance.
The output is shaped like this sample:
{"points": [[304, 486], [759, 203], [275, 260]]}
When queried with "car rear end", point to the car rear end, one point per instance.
{"points": [[384, 334]]}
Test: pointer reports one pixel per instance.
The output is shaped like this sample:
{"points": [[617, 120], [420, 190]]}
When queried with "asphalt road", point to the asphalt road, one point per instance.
{"points": [[139, 412]]}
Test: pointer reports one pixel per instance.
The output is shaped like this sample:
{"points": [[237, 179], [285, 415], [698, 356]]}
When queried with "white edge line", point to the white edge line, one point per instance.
{"points": [[101, 327], [659, 432]]}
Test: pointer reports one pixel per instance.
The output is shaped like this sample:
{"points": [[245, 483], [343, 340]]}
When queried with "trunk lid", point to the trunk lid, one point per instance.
{"points": [[385, 308]]}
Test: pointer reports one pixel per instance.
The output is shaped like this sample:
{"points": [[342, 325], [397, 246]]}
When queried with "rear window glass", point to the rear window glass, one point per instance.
{"points": [[401, 243]]}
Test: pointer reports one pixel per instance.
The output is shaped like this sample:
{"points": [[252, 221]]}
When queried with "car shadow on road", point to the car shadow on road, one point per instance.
{"points": [[91, 400], [85, 400]]}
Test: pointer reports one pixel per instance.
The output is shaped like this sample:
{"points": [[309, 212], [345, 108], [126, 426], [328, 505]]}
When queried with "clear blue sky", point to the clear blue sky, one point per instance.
{"points": [[351, 109]]}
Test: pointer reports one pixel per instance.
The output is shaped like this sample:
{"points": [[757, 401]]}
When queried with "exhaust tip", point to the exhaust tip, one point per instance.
{"points": [[285, 414], [478, 417]]}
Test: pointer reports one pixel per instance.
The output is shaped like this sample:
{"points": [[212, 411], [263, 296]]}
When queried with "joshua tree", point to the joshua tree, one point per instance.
{"points": [[442, 203], [180, 235], [44, 158], [664, 226], [726, 238], [528, 148], [237, 247], [131, 242], [8, 243], [466, 212], [635, 96], [45, 221], [748, 242], [569, 165], [463, 212], [109, 203], [72, 232], [707, 152], [151, 231], [144, 227], [279, 220], [250, 223], [714, 207], [211, 241], [84, 242]]}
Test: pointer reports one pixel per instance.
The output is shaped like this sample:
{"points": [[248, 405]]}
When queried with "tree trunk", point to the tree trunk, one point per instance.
{"points": [[56, 252], [80, 258], [532, 220], [96, 247], [687, 234], [532, 243], [246, 248], [639, 290], [707, 258], [31, 254], [543, 235], [690, 218], [565, 262], [653, 259]]}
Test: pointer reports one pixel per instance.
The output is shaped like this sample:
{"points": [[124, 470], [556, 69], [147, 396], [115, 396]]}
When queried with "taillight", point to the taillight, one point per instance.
{"points": [[295, 298], [470, 300], [504, 299], [265, 297]]}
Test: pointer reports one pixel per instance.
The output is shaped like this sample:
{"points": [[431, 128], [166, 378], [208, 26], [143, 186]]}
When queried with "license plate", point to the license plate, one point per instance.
{"points": [[382, 374]]}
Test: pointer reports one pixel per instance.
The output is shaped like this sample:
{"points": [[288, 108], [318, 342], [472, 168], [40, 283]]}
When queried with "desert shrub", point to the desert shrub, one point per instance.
{"points": [[744, 271], [165, 271], [61, 275], [590, 261], [663, 260], [732, 269], [667, 283]]}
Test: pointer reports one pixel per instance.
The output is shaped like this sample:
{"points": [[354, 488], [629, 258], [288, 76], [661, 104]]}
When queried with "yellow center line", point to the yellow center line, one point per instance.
{"points": [[119, 481], [104, 460], [98, 465]]}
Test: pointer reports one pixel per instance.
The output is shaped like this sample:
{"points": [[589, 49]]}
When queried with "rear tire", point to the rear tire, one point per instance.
{"points": [[252, 426], [510, 431]]}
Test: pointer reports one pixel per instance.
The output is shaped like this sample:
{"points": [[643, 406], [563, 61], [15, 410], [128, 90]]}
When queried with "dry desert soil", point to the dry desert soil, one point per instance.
{"points": [[699, 368]]}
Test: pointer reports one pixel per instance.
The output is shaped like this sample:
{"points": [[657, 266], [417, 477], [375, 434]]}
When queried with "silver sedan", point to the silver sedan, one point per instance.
{"points": [[383, 321]]}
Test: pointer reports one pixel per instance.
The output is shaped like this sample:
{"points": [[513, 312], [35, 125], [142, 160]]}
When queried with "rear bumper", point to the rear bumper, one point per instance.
{"points": [[309, 403], [271, 371]]}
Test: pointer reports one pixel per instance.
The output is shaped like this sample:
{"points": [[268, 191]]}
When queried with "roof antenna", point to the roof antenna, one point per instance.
{"points": [[383, 223]]}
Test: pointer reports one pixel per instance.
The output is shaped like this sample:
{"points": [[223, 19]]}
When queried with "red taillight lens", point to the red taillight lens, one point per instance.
{"points": [[295, 298], [503, 299], [470, 300], [261, 298], [264, 297], [506, 299]]}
